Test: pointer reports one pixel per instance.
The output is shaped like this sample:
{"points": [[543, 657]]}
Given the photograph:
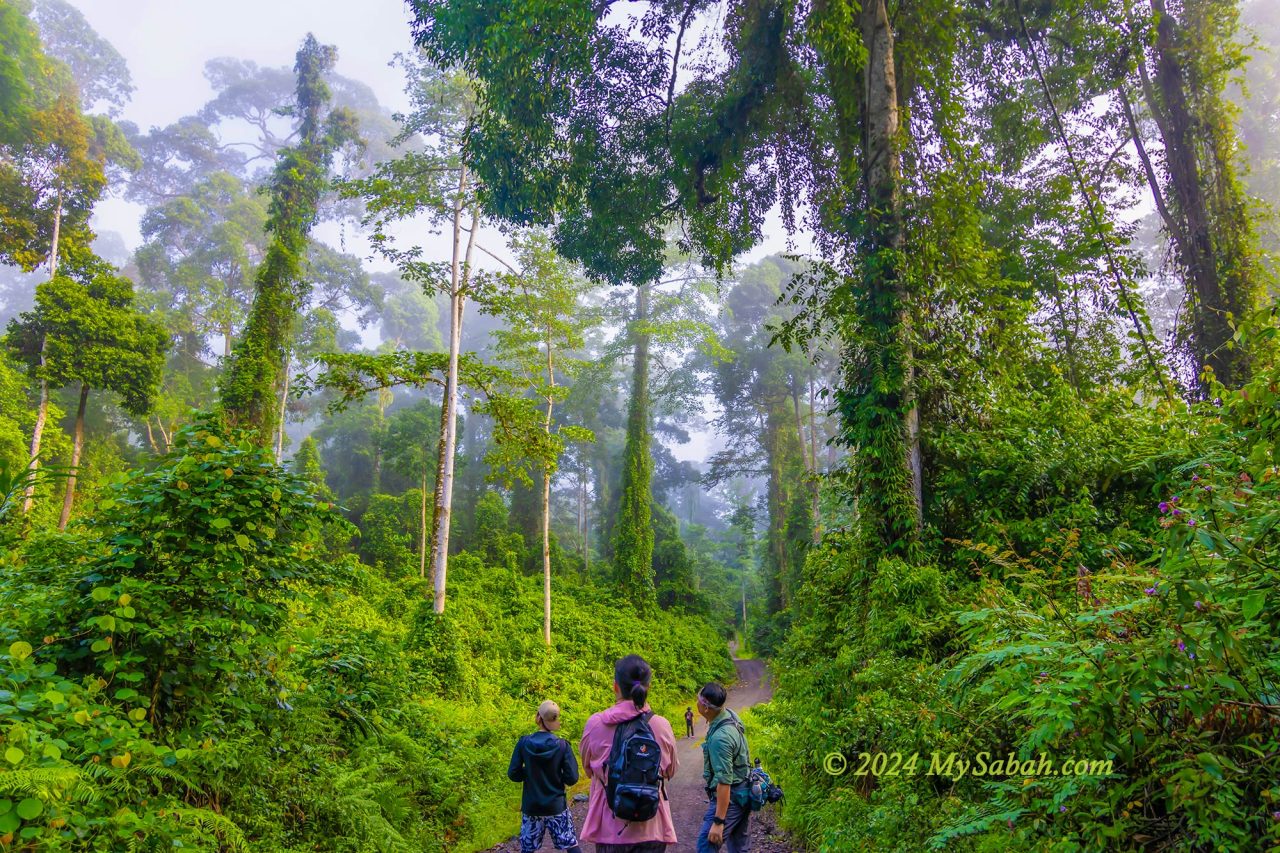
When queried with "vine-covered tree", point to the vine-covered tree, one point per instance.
{"points": [[251, 386], [587, 120]]}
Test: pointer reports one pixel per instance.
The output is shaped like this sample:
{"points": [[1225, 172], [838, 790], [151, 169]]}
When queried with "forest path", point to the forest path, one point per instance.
{"points": [[688, 801]]}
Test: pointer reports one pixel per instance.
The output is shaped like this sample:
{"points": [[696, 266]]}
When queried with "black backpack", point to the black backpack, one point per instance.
{"points": [[634, 762]]}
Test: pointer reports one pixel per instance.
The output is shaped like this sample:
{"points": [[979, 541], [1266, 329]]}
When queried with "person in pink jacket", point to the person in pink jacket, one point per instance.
{"points": [[631, 676]]}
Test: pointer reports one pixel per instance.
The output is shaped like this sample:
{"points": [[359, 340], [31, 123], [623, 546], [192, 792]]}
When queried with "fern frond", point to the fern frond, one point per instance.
{"points": [[212, 823], [47, 783]]}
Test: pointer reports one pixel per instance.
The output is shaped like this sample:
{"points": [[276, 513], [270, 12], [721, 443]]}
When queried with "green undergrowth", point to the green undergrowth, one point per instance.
{"points": [[1107, 592], [200, 666]]}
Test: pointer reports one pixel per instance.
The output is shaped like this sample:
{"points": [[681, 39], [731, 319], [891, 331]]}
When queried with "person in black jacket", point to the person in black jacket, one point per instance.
{"points": [[545, 763]]}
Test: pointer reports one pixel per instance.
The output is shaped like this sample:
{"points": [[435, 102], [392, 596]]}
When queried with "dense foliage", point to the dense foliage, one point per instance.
{"points": [[195, 667], [393, 425]]}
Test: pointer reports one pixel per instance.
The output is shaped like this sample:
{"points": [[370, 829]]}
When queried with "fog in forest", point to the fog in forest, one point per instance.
{"points": [[398, 397]]}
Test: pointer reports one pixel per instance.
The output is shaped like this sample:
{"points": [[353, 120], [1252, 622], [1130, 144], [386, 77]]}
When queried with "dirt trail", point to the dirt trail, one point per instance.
{"points": [[688, 802]]}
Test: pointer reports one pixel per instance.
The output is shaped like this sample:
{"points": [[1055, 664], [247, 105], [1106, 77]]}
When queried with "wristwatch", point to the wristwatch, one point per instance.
{"points": [[718, 821]]}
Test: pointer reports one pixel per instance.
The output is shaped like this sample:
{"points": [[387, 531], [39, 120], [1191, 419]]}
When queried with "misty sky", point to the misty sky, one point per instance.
{"points": [[167, 43]]}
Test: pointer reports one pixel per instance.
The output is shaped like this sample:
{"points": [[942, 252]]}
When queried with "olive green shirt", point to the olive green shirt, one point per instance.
{"points": [[724, 753]]}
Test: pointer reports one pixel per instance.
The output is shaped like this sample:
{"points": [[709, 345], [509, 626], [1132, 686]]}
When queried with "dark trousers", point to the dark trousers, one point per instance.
{"points": [[737, 826], [688, 724]]}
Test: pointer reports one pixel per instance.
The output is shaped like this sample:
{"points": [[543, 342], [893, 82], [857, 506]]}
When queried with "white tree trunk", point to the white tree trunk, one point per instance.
{"points": [[424, 545], [582, 514], [546, 505], [461, 273], [42, 411]]}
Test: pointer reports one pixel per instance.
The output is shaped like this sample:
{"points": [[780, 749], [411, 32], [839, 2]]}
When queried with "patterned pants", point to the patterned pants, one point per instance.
{"points": [[532, 829]]}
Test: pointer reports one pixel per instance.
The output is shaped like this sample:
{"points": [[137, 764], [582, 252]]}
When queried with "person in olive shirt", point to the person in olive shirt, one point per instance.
{"points": [[546, 765], [726, 771]]}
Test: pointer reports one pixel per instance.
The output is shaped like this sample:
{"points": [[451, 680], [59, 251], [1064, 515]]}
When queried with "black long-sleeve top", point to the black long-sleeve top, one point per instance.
{"points": [[546, 765]]}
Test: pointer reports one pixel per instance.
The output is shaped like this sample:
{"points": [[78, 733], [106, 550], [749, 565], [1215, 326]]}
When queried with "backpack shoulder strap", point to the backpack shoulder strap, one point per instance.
{"points": [[736, 722], [715, 727]]}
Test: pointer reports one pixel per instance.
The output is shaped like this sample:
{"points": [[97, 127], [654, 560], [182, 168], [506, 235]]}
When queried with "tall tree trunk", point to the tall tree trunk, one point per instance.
{"points": [[546, 503], [424, 544], [816, 509], [77, 445], [633, 531], [459, 276], [248, 385], [784, 449], [582, 513], [375, 478], [876, 401], [42, 409], [776, 548], [586, 521], [1208, 244], [284, 404], [1153, 182]]}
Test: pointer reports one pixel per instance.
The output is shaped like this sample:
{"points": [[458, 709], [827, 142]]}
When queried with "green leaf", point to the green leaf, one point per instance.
{"points": [[242, 540], [30, 808], [1253, 604], [20, 650], [13, 755], [1210, 765], [220, 523]]}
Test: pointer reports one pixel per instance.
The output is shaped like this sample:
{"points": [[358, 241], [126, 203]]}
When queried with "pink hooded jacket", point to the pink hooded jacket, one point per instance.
{"points": [[600, 826]]}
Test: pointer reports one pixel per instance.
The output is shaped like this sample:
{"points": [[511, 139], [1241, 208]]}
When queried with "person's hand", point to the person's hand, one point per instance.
{"points": [[716, 836]]}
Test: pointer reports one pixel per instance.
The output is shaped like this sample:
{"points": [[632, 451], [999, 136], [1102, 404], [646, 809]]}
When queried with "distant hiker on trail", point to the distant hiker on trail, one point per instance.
{"points": [[688, 722], [627, 809], [545, 763], [726, 773]]}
